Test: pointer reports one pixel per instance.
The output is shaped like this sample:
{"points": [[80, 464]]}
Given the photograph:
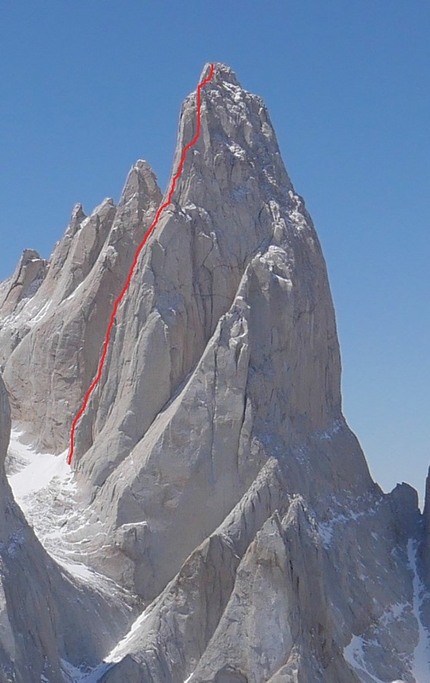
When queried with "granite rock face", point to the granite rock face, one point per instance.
{"points": [[62, 328], [217, 475], [225, 350]]}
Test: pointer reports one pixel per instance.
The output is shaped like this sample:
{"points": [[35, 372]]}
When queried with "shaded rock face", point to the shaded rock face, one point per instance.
{"points": [[216, 469], [45, 615]]}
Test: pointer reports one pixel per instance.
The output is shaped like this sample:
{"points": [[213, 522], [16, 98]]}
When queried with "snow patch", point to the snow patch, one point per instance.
{"points": [[44, 487], [115, 656], [355, 652], [355, 656], [34, 320], [237, 151], [72, 674], [75, 291], [334, 428], [327, 529], [122, 648], [393, 613], [37, 470]]}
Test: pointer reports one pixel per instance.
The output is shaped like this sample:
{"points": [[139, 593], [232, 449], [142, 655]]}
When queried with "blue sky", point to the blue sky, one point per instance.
{"points": [[89, 86]]}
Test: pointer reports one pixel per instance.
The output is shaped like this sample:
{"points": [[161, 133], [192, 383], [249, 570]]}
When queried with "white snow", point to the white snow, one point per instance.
{"points": [[276, 257], [393, 613], [334, 428], [38, 470], [122, 648], [354, 655], [33, 320], [327, 529], [237, 151], [44, 487], [113, 657], [75, 291], [234, 90], [73, 675]]}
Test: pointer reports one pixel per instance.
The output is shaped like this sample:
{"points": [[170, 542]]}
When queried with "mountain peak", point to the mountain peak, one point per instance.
{"points": [[215, 473], [222, 73]]}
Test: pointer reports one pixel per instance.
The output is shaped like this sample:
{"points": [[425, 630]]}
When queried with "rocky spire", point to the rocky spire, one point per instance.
{"points": [[24, 283], [69, 315], [225, 351]]}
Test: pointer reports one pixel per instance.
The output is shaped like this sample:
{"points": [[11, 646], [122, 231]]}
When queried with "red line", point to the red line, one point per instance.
{"points": [[136, 256]]}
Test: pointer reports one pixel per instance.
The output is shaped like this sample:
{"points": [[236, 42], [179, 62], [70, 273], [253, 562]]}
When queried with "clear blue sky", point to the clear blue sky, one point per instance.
{"points": [[89, 86]]}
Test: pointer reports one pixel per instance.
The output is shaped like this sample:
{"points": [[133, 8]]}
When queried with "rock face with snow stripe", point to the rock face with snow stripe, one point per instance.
{"points": [[51, 369], [217, 476]]}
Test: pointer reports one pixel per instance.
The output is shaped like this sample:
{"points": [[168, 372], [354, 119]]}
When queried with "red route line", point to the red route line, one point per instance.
{"points": [[127, 284]]}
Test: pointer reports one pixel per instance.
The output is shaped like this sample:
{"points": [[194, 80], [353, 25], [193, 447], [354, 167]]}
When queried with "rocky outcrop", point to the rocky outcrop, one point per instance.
{"points": [[15, 293], [24, 283]]}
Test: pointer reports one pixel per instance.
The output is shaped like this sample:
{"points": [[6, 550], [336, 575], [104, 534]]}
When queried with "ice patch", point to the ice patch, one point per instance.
{"points": [[335, 427], [277, 260], [72, 674], [327, 529], [355, 652], [393, 613], [115, 656]]}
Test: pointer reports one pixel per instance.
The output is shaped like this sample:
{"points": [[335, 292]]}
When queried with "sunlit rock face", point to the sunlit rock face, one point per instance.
{"points": [[57, 337], [218, 478]]}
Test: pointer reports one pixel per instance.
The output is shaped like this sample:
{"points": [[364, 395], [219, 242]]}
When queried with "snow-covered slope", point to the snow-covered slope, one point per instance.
{"points": [[48, 615]]}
